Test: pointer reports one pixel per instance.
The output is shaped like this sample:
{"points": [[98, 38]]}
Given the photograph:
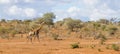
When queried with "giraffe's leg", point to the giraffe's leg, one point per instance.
{"points": [[31, 39], [27, 38], [38, 38], [34, 37]]}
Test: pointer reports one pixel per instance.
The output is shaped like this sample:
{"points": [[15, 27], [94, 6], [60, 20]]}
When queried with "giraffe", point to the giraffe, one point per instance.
{"points": [[35, 33]]}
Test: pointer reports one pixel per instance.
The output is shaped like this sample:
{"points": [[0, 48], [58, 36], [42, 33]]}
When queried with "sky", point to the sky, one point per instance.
{"points": [[78, 9]]}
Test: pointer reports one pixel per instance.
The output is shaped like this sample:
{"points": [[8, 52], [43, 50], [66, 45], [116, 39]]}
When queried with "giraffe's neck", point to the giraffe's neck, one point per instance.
{"points": [[39, 28]]}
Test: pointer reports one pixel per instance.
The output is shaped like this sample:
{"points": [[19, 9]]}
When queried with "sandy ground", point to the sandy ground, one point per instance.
{"points": [[50, 46]]}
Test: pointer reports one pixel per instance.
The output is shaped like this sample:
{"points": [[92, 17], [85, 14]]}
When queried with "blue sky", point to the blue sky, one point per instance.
{"points": [[78, 9]]}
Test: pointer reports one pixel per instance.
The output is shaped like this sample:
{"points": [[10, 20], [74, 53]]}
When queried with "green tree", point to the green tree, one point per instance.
{"points": [[112, 30], [72, 23], [104, 21], [3, 20], [27, 21], [47, 18], [58, 24]]}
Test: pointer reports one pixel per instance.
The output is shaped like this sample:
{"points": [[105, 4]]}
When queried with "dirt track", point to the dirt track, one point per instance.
{"points": [[49, 46]]}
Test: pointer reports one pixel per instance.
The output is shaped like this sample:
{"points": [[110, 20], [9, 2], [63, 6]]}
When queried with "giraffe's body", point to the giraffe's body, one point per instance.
{"points": [[30, 35]]}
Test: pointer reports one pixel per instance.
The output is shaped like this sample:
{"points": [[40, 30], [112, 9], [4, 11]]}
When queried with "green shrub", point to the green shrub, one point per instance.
{"points": [[75, 45], [103, 39], [103, 27], [107, 47], [92, 46], [96, 25], [99, 50], [102, 42], [4, 37], [70, 23], [115, 47], [2, 30], [55, 36], [112, 30]]}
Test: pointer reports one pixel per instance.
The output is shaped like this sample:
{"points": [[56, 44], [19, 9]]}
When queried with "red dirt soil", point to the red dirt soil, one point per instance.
{"points": [[50, 46]]}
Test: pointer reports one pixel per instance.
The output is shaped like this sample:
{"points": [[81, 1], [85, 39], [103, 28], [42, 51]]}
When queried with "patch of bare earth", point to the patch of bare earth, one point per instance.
{"points": [[50, 46]]}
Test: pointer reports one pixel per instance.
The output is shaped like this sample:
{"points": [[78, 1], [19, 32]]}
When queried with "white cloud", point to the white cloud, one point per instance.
{"points": [[90, 2], [29, 12], [17, 11], [8, 1], [14, 10], [29, 1], [96, 15], [4, 1], [105, 9], [60, 14], [73, 9], [93, 9], [70, 12], [15, 1], [103, 12]]}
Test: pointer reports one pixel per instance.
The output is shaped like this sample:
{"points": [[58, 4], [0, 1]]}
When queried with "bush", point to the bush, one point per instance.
{"points": [[4, 37], [75, 45], [102, 42], [103, 27], [92, 46], [103, 39], [115, 47], [70, 24], [96, 25], [55, 36], [2, 30], [112, 30], [107, 47], [100, 36], [99, 50]]}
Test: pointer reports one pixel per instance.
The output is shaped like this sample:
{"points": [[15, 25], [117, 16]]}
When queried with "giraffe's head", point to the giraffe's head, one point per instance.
{"points": [[43, 22]]}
